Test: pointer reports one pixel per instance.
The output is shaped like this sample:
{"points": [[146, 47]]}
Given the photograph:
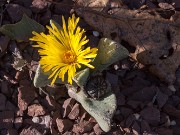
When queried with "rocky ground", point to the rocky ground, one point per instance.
{"points": [[145, 104]]}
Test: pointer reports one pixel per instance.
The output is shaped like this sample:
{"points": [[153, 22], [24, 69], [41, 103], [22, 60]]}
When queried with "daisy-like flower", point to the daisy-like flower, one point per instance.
{"points": [[61, 50]]}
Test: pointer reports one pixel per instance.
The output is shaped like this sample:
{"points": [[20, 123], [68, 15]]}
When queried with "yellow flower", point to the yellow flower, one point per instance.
{"points": [[62, 50]]}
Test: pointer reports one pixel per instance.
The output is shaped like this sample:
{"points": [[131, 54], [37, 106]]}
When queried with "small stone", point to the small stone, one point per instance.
{"points": [[6, 119], [36, 119], [5, 89], [46, 121], [30, 131], [10, 106], [145, 128], [18, 122], [165, 6], [164, 131], [56, 114], [151, 115], [64, 125], [67, 106], [83, 127], [171, 111], [16, 12], [74, 112], [25, 97], [36, 110], [161, 99], [126, 111], [3, 44], [68, 133], [12, 132], [53, 130], [97, 130], [2, 102], [96, 33], [136, 128], [39, 5]]}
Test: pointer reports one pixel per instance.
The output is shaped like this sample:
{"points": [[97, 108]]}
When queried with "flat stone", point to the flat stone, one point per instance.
{"points": [[16, 12], [39, 5], [30, 131], [36, 110], [64, 125], [2, 102], [74, 112], [97, 130], [5, 88], [10, 106], [18, 122], [67, 106], [6, 119], [25, 96], [151, 115], [12, 132]]}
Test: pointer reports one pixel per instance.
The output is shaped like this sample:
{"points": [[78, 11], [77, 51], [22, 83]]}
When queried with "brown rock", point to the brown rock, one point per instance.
{"points": [[12, 132], [6, 119], [144, 95], [172, 111], [16, 12], [49, 103], [120, 99], [151, 115], [130, 120], [36, 110], [39, 5], [67, 106], [145, 128], [2, 102], [56, 115], [176, 130], [18, 122], [165, 6], [3, 44], [60, 9], [97, 130], [136, 128], [25, 97], [164, 131], [53, 130], [83, 127], [161, 99], [68, 133], [133, 104], [74, 112], [64, 125], [126, 111], [10, 107], [30, 131], [5, 89]]}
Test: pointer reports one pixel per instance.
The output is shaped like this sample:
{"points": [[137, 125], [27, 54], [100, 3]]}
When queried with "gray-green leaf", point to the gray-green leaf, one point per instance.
{"points": [[22, 30]]}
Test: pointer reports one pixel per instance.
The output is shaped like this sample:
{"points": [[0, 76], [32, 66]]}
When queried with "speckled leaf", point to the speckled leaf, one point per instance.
{"points": [[81, 77], [22, 30], [109, 52], [41, 78]]}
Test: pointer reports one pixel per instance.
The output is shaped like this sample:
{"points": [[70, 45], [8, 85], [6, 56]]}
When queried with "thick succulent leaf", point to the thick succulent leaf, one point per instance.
{"points": [[81, 77], [22, 30], [41, 78], [102, 110], [109, 52]]}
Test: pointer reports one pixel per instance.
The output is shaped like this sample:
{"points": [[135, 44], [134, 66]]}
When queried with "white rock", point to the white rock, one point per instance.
{"points": [[96, 33]]}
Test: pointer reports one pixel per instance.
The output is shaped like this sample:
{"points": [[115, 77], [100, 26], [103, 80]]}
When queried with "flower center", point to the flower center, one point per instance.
{"points": [[69, 57]]}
